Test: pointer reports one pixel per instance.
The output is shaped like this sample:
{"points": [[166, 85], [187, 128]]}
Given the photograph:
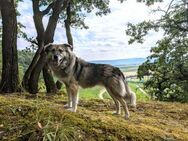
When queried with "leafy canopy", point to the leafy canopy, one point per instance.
{"points": [[167, 66]]}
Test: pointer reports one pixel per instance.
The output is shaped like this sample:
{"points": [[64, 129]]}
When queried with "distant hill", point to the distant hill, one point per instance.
{"points": [[121, 62]]}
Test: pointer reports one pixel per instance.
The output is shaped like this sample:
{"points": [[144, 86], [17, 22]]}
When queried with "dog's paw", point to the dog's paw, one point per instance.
{"points": [[126, 117], [66, 106], [71, 109], [132, 106], [116, 113]]}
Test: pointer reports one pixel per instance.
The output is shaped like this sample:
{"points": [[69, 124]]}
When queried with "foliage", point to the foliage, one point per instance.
{"points": [[167, 66], [149, 2], [25, 57], [79, 10]]}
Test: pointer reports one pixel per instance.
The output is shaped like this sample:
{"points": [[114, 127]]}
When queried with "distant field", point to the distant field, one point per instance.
{"points": [[129, 68]]}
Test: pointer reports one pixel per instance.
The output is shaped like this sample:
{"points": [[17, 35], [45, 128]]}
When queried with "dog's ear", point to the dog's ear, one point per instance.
{"points": [[48, 47], [69, 46]]}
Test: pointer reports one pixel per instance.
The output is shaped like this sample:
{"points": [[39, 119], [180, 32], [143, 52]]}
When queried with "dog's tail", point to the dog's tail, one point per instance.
{"points": [[130, 95]]}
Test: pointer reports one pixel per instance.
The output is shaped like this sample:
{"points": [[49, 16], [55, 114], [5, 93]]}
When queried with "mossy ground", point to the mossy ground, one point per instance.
{"points": [[23, 117]]}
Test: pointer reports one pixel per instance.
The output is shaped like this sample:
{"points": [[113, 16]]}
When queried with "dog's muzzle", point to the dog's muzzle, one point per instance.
{"points": [[57, 60]]}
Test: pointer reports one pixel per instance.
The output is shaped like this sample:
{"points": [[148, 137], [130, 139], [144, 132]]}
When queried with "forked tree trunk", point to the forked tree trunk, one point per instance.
{"points": [[10, 80], [26, 83], [43, 37]]}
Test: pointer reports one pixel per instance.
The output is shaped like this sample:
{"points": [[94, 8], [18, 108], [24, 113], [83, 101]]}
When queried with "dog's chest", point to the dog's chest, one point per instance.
{"points": [[61, 76]]}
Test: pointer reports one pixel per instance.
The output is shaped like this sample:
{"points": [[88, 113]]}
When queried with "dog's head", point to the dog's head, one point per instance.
{"points": [[59, 54]]}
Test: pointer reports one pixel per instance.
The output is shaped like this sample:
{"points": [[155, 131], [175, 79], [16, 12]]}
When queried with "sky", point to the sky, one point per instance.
{"points": [[105, 39]]}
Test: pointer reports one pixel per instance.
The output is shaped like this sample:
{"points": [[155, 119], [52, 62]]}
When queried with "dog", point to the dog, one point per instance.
{"points": [[75, 72]]}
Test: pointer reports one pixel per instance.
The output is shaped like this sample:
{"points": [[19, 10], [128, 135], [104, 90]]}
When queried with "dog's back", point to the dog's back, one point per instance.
{"points": [[90, 74]]}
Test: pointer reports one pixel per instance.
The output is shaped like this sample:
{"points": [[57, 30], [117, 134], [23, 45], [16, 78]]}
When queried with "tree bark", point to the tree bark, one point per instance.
{"points": [[68, 34], [68, 25], [10, 79]]}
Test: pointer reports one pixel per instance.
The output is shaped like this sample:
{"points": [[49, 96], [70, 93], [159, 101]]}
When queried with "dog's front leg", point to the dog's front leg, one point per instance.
{"points": [[73, 89], [69, 94]]}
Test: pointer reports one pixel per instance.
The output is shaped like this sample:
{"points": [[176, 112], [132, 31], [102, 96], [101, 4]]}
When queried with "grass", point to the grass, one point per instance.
{"points": [[24, 117], [90, 93], [93, 93], [141, 96]]}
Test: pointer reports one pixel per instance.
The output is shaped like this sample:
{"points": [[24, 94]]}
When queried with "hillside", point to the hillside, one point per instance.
{"points": [[121, 62], [24, 117]]}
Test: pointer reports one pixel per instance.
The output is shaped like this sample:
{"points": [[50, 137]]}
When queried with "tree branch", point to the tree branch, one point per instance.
{"points": [[36, 6], [177, 25], [34, 41], [169, 6], [47, 10], [65, 4]]}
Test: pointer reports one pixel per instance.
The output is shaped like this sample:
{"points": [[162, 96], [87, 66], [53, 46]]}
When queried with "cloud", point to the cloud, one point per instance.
{"points": [[105, 39]]}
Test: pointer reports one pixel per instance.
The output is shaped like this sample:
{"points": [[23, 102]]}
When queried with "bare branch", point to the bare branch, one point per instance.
{"points": [[34, 42], [169, 6], [47, 10]]}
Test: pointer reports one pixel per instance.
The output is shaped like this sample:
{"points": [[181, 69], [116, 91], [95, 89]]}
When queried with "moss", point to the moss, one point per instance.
{"points": [[23, 117]]}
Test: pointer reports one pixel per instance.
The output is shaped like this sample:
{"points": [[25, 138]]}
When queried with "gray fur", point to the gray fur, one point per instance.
{"points": [[75, 72]]}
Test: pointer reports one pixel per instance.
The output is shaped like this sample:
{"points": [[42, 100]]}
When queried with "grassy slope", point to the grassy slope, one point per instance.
{"points": [[25, 118]]}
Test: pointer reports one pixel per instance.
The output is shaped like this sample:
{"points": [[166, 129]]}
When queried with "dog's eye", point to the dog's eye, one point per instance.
{"points": [[60, 50]]}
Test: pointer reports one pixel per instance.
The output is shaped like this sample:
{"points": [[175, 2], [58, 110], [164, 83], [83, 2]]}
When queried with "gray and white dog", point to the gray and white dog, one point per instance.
{"points": [[75, 72]]}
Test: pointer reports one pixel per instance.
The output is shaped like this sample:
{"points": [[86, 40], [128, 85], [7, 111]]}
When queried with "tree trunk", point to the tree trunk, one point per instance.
{"points": [[34, 76], [49, 34], [68, 34], [49, 81], [10, 79], [67, 25]]}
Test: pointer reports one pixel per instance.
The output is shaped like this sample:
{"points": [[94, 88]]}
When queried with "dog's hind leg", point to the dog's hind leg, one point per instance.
{"points": [[117, 103], [125, 107], [118, 91]]}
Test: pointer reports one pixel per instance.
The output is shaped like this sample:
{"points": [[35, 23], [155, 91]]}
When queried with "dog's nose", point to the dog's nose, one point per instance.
{"points": [[55, 57]]}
